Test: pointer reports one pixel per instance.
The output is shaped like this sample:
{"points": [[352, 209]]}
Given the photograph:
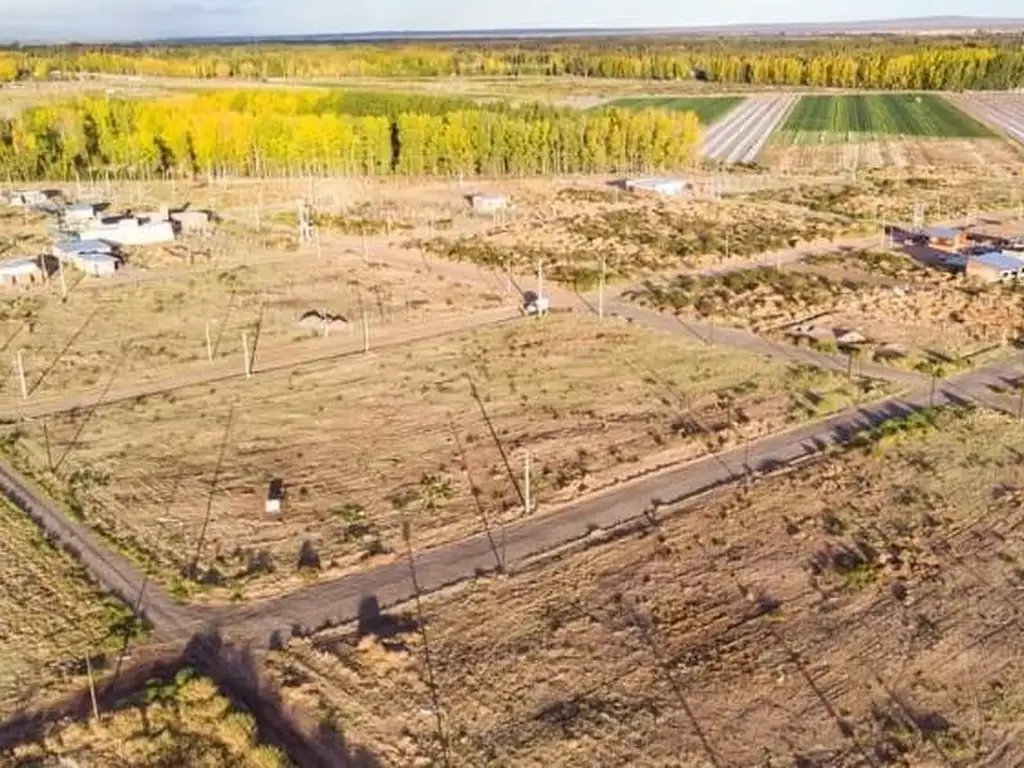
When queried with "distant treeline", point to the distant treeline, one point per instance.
{"points": [[880, 63], [270, 132]]}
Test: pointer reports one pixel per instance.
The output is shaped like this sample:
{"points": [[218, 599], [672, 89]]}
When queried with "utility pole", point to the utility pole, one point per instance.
{"points": [[366, 330], [245, 352], [63, 281], [92, 688], [20, 362], [49, 452], [526, 483], [600, 288], [366, 253], [540, 279], [209, 343]]}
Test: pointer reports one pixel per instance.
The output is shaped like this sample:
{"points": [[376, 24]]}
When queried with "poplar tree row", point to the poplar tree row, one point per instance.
{"points": [[279, 132], [878, 63]]}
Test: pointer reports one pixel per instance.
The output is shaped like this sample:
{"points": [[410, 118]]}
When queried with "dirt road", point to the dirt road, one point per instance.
{"points": [[316, 351], [510, 547]]}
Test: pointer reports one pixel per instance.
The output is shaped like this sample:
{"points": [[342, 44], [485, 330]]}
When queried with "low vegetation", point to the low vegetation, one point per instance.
{"points": [[635, 238], [184, 721], [54, 617], [855, 117], [844, 589], [903, 312], [595, 405], [708, 110]]}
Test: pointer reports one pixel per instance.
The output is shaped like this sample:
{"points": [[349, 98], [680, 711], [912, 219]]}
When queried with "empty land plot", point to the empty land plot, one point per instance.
{"points": [[637, 235], [125, 330], [878, 196], [840, 119], [182, 721], [52, 617], [903, 310], [360, 445], [862, 605], [708, 110]]}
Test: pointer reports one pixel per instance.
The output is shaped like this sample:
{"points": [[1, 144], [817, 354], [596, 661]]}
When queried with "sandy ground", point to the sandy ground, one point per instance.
{"points": [[362, 443], [857, 611]]}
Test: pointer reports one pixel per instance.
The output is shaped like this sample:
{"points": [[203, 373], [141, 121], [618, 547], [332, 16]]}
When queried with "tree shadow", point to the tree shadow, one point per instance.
{"points": [[236, 672]]}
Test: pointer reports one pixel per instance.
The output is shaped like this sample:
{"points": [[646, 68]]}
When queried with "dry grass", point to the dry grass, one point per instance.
{"points": [[903, 308], [354, 442], [53, 617], [860, 609], [637, 234], [874, 196], [962, 156], [145, 324], [183, 722]]}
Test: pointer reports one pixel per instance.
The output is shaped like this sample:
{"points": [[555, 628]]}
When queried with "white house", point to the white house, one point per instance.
{"points": [[25, 197], [669, 187], [488, 203], [191, 221], [98, 264], [21, 272], [131, 231], [80, 212]]}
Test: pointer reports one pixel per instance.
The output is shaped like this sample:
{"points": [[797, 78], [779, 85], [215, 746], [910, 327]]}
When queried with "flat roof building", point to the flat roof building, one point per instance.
{"points": [[995, 266], [945, 237], [21, 272], [488, 203], [80, 212], [131, 231], [669, 187]]}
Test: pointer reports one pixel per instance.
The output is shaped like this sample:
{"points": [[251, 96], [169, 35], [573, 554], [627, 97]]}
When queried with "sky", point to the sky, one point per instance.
{"points": [[86, 20]]}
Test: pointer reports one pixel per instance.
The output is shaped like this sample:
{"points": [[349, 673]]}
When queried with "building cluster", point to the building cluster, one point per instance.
{"points": [[90, 239], [990, 258]]}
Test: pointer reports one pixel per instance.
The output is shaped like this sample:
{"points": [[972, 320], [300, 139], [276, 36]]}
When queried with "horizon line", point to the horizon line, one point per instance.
{"points": [[539, 31]]}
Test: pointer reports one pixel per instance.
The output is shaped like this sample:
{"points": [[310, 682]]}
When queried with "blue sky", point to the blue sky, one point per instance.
{"points": [[133, 19]]}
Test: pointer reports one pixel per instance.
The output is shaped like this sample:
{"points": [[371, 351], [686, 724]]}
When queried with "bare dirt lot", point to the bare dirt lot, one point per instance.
{"points": [[143, 324], [399, 434], [856, 611], [903, 311], [53, 617], [964, 155]]}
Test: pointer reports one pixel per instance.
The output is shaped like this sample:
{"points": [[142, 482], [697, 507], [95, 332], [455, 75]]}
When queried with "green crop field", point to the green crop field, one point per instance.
{"points": [[708, 109], [840, 119]]}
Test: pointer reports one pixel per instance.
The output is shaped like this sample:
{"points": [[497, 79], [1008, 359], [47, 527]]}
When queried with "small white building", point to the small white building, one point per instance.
{"points": [[668, 187], [488, 203], [23, 198], [191, 221], [80, 212], [21, 272], [131, 231], [68, 250], [98, 264]]}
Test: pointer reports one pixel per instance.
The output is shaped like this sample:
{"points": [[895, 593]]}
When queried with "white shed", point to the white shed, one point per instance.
{"points": [[191, 221], [275, 497], [98, 264], [25, 197], [669, 187], [69, 250], [21, 272], [79, 212], [488, 203]]}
